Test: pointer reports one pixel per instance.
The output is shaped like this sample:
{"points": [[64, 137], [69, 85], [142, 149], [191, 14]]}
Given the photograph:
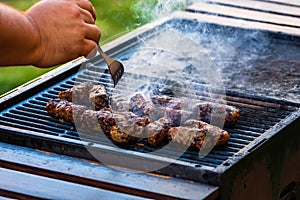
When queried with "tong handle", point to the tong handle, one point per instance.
{"points": [[107, 59]]}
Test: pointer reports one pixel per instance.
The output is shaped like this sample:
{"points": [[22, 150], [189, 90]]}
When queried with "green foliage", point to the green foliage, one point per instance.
{"points": [[20, 4], [114, 18]]}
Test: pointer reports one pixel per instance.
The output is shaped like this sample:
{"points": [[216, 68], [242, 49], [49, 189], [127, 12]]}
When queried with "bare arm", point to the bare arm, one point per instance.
{"points": [[51, 32]]}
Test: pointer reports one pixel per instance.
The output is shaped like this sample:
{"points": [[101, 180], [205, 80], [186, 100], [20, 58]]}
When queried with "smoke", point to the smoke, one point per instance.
{"points": [[148, 10]]}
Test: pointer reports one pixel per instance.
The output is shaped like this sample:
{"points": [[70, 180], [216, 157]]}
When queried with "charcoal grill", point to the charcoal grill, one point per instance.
{"points": [[261, 158]]}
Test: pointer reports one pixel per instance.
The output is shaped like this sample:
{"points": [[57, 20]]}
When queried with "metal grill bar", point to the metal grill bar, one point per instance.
{"points": [[257, 117]]}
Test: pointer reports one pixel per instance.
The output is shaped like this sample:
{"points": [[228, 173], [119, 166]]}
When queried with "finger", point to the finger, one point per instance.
{"points": [[87, 17], [89, 47], [92, 33], [92, 53], [87, 5]]}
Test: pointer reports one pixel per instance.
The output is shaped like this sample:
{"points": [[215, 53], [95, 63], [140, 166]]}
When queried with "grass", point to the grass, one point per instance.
{"points": [[114, 17]]}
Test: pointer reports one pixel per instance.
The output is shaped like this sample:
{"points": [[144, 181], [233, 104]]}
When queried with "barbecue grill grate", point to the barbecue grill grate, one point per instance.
{"points": [[257, 116]]}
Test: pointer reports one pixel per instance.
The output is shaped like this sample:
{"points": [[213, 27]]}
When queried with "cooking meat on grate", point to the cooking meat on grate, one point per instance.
{"points": [[134, 123], [203, 111], [140, 106], [156, 132], [99, 97], [63, 110], [177, 117], [84, 118], [192, 134], [129, 127], [81, 91], [166, 101], [209, 110], [161, 107], [87, 94], [123, 127]]}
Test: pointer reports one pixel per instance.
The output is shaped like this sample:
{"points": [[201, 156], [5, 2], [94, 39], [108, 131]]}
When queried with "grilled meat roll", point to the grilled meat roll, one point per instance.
{"points": [[87, 94], [98, 97], [140, 106], [210, 110], [119, 136], [84, 118], [166, 101], [129, 127], [78, 92], [64, 110], [221, 136], [156, 132], [197, 135], [204, 111], [177, 117], [106, 120]]}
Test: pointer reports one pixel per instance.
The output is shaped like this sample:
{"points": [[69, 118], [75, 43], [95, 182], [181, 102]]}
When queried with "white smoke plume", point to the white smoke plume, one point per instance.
{"points": [[147, 10]]}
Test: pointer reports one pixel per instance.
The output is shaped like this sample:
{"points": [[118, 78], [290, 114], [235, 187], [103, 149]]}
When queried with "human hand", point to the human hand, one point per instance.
{"points": [[66, 30]]}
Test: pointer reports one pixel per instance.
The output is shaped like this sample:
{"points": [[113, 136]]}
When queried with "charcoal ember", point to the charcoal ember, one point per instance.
{"points": [[157, 132], [98, 97], [64, 110], [87, 94], [220, 136], [140, 106], [79, 93], [209, 110]]}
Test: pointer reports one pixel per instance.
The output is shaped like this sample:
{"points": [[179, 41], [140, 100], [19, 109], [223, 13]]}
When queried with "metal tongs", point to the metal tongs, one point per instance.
{"points": [[116, 68]]}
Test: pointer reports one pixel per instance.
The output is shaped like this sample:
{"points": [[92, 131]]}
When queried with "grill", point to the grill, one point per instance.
{"points": [[269, 110]]}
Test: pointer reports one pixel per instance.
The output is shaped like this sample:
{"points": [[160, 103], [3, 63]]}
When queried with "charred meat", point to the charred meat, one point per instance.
{"points": [[64, 110], [87, 94], [129, 127], [207, 111], [156, 132], [204, 111], [140, 106], [197, 134], [84, 118], [166, 101], [98, 97], [160, 120], [77, 92]]}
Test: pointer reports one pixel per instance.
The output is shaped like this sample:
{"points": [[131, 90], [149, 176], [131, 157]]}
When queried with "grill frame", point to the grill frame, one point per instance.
{"points": [[235, 181], [74, 148]]}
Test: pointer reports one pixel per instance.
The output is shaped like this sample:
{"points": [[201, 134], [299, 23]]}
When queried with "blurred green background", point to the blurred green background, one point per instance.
{"points": [[114, 17]]}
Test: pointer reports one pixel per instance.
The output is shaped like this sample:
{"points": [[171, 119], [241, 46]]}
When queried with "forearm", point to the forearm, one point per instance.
{"points": [[18, 38], [49, 33]]}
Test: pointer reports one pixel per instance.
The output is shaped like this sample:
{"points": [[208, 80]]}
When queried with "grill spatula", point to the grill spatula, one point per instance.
{"points": [[116, 68]]}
